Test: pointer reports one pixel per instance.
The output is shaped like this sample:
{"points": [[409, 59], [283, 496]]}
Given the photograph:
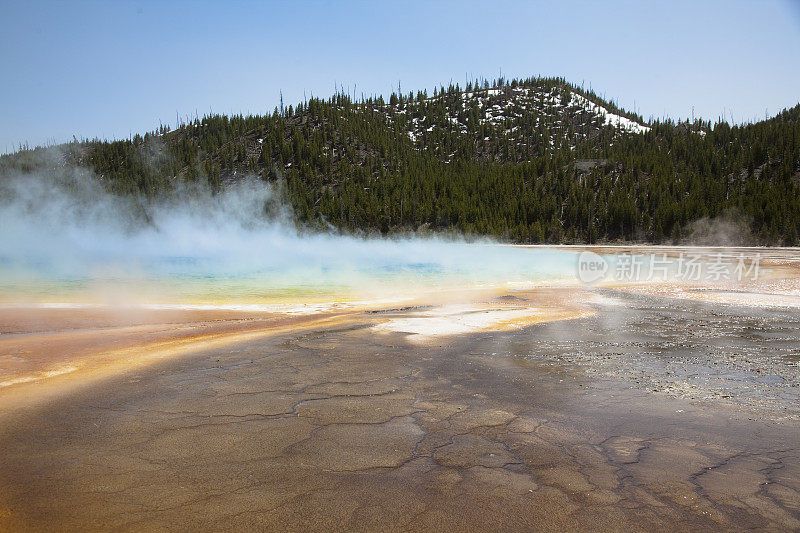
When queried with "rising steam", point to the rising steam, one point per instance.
{"points": [[66, 231]]}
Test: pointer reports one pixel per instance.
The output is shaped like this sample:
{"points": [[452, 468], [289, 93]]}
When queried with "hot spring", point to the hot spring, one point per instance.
{"points": [[69, 243]]}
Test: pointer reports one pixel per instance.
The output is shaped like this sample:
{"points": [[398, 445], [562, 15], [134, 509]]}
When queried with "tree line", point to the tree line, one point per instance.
{"points": [[543, 170]]}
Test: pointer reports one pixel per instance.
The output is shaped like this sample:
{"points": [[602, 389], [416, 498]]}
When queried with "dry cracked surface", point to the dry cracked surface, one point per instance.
{"points": [[350, 429]]}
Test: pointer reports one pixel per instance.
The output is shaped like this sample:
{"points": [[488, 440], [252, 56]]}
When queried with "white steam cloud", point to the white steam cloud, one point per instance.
{"points": [[66, 231]]}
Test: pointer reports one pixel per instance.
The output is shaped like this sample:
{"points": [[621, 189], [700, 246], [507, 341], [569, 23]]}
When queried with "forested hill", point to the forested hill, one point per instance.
{"points": [[535, 160]]}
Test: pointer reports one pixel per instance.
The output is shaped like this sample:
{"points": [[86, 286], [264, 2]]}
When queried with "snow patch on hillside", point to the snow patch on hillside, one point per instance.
{"points": [[521, 114], [611, 119]]}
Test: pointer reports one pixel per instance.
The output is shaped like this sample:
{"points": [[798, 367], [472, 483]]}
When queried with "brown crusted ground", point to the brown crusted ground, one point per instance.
{"points": [[34, 340], [335, 426]]}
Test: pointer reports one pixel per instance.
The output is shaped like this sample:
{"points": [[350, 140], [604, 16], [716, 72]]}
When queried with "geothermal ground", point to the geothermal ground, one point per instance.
{"points": [[614, 407]]}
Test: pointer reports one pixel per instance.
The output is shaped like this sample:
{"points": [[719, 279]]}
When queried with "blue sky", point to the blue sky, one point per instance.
{"points": [[111, 69]]}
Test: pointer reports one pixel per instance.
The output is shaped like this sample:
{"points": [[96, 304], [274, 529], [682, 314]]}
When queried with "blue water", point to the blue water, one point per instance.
{"points": [[343, 266]]}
